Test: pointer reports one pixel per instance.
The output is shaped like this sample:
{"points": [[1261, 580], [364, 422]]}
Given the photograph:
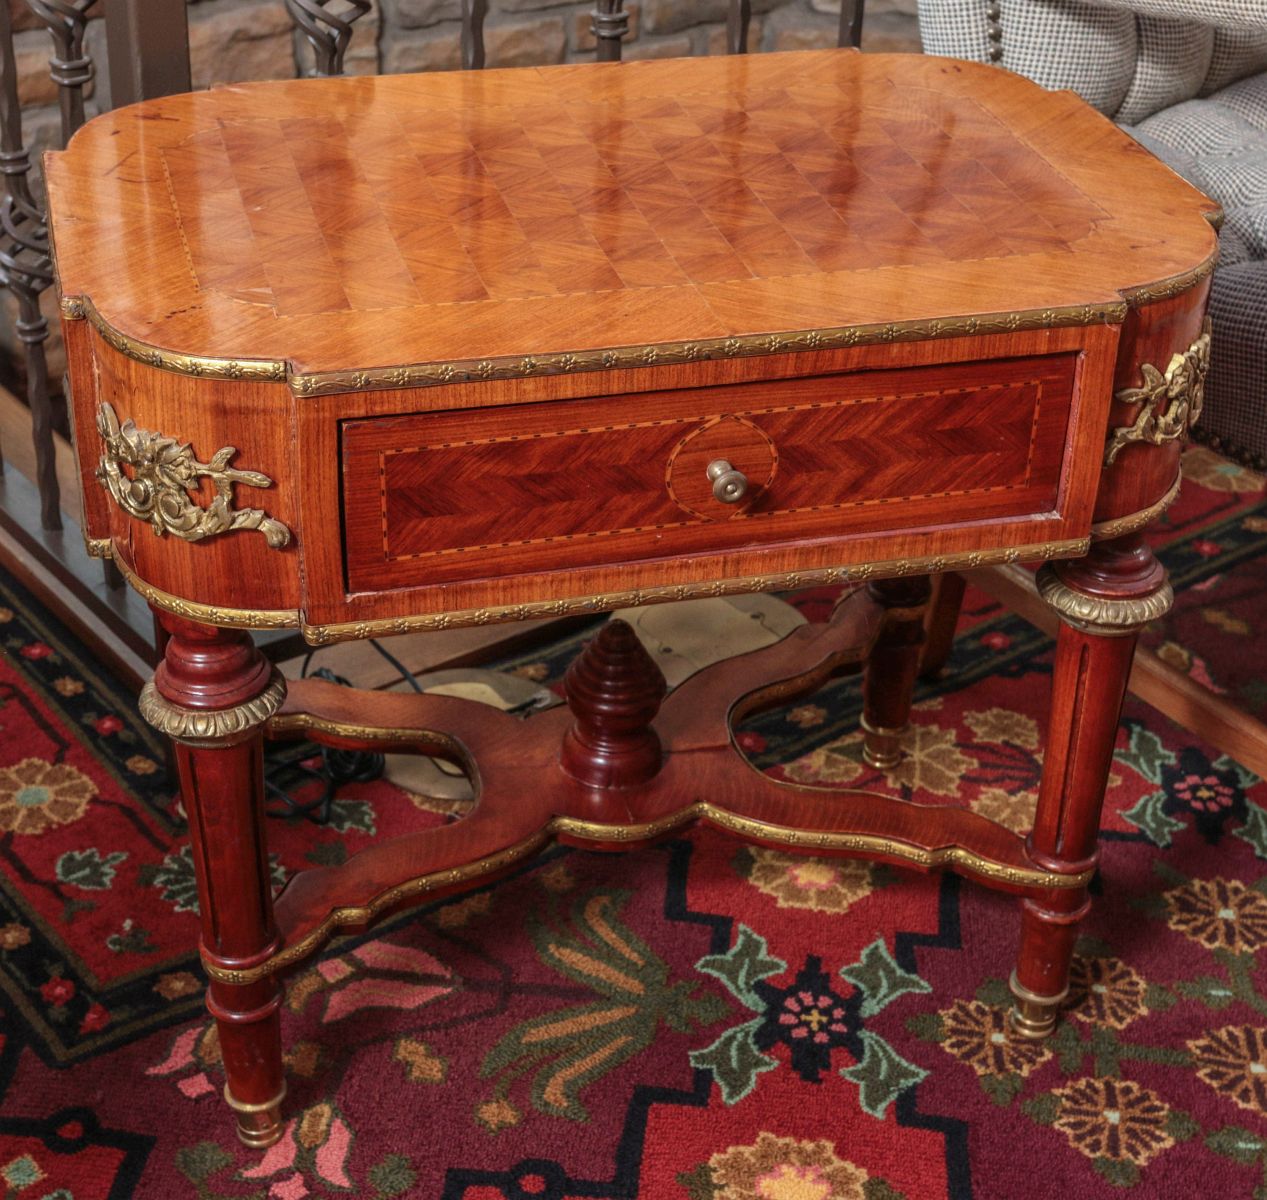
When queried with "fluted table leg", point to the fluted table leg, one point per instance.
{"points": [[211, 694], [1103, 601]]}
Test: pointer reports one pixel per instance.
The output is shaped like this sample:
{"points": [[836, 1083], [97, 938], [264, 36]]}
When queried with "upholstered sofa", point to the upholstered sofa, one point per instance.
{"points": [[1188, 79]]}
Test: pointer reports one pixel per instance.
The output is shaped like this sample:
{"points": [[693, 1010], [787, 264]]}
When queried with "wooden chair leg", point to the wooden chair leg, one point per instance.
{"points": [[892, 667], [1103, 601], [211, 694], [943, 619]]}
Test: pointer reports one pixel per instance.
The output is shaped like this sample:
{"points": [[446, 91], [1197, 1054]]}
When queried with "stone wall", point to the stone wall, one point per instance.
{"points": [[236, 40]]}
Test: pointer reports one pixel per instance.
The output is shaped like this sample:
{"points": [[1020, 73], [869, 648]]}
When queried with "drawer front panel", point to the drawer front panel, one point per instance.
{"points": [[449, 496]]}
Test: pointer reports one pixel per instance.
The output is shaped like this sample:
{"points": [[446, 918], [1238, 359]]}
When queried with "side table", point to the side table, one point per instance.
{"points": [[371, 355]]}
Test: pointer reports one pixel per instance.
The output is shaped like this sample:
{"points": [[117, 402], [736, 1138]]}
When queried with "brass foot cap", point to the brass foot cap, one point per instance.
{"points": [[881, 747], [1032, 1025], [881, 757], [261, 1130], [1033, 1016], [259, 1125]]}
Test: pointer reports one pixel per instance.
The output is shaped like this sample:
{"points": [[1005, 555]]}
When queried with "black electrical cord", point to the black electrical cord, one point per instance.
{"points": [[337, 767]]}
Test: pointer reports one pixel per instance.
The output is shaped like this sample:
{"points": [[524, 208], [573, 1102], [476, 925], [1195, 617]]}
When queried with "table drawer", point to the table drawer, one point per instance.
{"points": [[450, 496]]}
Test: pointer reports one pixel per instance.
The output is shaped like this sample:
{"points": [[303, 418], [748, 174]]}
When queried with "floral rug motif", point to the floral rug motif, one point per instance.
{"points": [[698, 1021]]}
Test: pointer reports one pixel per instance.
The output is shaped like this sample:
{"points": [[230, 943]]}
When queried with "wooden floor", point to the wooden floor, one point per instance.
{"points": [[19, 451]]}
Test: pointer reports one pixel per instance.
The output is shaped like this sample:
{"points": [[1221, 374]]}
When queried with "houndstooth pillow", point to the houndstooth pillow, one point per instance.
{"points": [[1099, 44], [1117, 54], [1237, 53], [1235, 416], [1174, 59], [1226, 14]]}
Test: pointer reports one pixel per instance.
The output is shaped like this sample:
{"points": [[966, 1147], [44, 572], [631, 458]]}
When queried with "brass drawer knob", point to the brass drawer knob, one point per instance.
{"points": [[729, 486]]}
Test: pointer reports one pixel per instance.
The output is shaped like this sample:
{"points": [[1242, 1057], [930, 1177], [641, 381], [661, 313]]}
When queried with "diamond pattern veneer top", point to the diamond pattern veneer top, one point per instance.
{"points": [[369, 222]]}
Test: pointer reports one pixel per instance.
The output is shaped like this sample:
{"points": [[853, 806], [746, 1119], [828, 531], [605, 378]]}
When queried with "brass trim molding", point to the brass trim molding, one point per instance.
{"points": [[320, 635], [197, 366], [165, 476], [290, 724], [215, 726], [1108, 617], [98, 547], [566, 363], [965, 860], [1181, 390], [1166, 289], [1129, 523], [616, 358], [362, 914], [209, 614], [968, 861], [675, 353]]}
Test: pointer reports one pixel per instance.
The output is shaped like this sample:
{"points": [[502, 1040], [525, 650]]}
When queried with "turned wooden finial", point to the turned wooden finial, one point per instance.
{"points": [[614, 690]]}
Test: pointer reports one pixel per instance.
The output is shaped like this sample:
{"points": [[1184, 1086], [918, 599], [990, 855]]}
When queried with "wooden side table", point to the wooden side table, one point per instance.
{"points": [[372, 355]]}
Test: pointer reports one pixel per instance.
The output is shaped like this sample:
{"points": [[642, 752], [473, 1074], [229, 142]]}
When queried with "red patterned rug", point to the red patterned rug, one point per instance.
{"points": [[700, 1021]]}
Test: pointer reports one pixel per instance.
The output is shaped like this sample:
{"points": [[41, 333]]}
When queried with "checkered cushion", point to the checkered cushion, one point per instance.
{"points": [[1225, 14], [1100, 43], [1220, 143], [1172, 63], [1195, 95]]}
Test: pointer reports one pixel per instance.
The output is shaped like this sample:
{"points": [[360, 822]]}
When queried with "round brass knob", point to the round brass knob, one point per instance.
{"points": [[729, 486]]}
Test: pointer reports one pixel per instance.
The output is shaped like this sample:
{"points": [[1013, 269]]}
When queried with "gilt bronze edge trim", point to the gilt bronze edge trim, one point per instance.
{"points": [[961, 857], [196, 366], [320, 635], [288, 724], [705, 349], [575, 362], [325, 634], [1103, 530], [1174, 285], [209, 614], [361, 914]]}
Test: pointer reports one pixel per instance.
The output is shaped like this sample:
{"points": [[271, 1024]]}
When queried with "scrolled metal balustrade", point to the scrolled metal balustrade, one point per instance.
{"points": [[327, 24]]}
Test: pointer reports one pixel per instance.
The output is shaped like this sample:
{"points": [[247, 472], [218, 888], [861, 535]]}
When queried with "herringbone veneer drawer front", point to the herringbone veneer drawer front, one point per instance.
{"points": [[450, 496]]}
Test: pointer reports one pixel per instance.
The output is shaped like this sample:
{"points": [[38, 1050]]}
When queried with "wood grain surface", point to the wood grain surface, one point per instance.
{"points": [[484, 333], [435, 498], [472, 341], [366, 222]]}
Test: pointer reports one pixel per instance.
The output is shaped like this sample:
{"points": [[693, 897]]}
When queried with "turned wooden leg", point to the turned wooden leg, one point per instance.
{"points": [[211, 694], [614, 690], [942, 623], [1103, 601], [892, 667]]}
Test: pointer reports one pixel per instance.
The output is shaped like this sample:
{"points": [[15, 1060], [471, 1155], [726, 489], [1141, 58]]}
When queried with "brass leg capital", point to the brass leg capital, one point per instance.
{"points": [[1104, 616], [215, 727], [259, 1125], [1034, 1016]]}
